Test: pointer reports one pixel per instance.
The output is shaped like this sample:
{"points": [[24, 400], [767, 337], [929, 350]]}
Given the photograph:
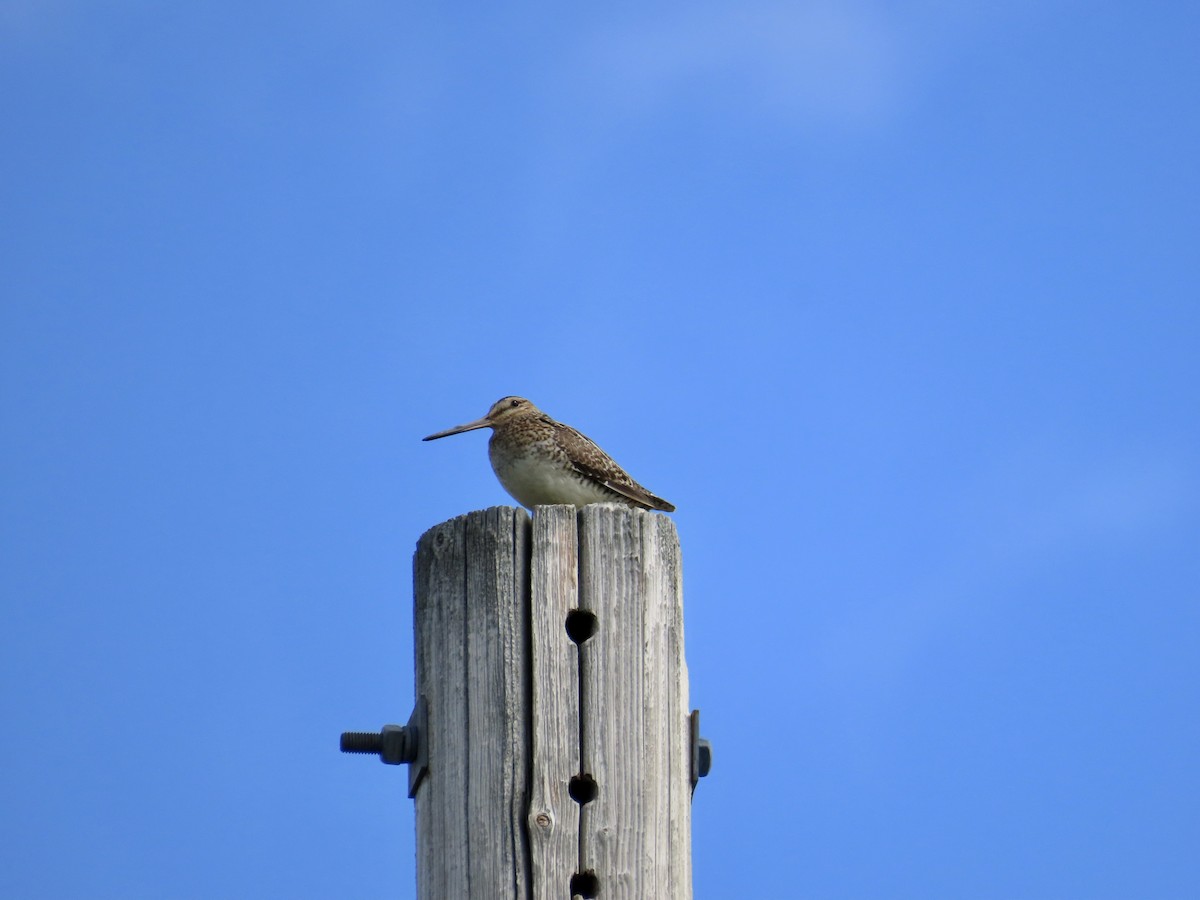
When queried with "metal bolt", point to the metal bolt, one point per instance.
{"points": [[395, 744], [704, 757], [701, 749]]}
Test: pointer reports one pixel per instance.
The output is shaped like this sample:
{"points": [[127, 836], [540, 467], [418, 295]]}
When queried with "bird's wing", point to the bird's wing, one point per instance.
{"points": [[590, 461]]}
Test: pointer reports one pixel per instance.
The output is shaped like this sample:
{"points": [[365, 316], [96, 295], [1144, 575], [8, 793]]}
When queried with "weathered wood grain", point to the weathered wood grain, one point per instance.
{"points": [[636, 834], [517, 709], [553, 820], [497, 617], [664, 581], [439, 584], [472, 615]]}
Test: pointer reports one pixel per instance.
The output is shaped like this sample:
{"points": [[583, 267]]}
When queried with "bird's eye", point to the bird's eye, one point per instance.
{"points": [[515, 403]]}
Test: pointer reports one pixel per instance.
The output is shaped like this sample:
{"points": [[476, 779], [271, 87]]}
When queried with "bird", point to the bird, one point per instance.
{"points": [[540, 461]]}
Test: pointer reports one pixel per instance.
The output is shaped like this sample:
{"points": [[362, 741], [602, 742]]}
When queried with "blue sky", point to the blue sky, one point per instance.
{"points": [[898, 303]]}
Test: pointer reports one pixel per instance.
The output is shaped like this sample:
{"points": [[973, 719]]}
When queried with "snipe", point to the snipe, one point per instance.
{"points": [[540, 461]]}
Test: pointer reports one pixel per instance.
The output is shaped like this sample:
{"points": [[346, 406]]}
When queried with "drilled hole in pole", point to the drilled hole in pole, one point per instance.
{"points": [[581, 625], [582, 789], [585, 884]]}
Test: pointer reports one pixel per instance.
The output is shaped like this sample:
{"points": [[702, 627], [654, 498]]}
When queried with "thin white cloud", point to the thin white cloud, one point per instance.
{"points": [[783, 59], [1108, 504], [1032, 513], [854, 63]]}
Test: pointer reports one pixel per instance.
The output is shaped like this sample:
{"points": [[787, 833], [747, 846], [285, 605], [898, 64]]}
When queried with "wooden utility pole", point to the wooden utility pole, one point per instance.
{"points": [[550, 662]]}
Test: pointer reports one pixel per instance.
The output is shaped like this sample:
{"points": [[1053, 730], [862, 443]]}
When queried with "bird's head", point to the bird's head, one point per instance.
{"points": [[503, 410]]}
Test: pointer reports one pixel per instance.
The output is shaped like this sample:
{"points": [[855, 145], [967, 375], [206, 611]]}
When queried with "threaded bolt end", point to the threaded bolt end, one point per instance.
{"points": [[362, 742]]}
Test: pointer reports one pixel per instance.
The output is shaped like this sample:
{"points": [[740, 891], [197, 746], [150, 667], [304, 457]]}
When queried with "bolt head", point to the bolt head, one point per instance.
{"points": [[393, 744]]}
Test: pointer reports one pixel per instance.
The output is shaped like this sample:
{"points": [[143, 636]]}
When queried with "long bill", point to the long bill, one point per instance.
{"points": [[459, 429]]}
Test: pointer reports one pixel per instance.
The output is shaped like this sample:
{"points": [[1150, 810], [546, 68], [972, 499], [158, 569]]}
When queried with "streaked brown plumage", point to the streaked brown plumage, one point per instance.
{"points": [[540, 461]]}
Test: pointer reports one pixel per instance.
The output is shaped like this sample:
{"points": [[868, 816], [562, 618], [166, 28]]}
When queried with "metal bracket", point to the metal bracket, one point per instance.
{"points": [[701, 749], [398, 744], [418, 726]]}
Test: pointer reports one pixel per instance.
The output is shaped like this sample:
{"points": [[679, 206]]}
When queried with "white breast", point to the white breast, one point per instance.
{"points": [[535, 480]]}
